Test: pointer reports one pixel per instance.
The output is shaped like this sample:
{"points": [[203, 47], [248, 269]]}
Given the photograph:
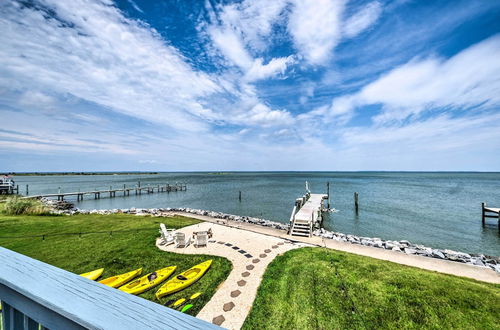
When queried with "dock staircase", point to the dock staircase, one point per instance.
{"points": [[301, 229]]}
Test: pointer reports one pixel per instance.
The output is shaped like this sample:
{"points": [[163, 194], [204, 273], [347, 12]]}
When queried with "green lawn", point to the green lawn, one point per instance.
{"points": [[316, 288], [118, 252]]}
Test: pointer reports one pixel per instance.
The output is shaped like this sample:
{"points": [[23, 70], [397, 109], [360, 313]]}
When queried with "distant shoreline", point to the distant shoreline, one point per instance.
{"points": [[77, 173]]}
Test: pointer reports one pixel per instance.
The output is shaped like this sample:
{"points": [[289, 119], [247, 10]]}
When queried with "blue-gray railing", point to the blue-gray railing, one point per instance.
{"points": [[36, 294]]}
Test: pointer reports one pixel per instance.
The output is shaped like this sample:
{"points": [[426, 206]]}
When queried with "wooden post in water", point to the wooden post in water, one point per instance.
{"points": [[27, 190], [239, 197], [356, 205], [482, 212], [328, 193]]}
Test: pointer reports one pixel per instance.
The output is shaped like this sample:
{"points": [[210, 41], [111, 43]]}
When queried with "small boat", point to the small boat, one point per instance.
{"points": [[119, 280], [148, 281], [93, 275], [183, 280]]}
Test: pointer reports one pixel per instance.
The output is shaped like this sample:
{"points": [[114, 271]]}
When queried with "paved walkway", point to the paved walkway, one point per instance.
{"points": [[250, 254], [432, 264]]}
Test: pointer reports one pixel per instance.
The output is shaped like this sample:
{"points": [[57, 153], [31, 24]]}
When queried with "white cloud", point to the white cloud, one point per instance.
{"points": [[136, 7], [36, 98], [468, 79], [262, 115], [90, 50], [361, 20], [254, 20], [261, 71], [241, 28], [231, 46], [316, 28]]}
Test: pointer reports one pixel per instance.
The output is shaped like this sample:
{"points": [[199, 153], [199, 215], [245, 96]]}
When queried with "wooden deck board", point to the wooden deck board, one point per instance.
{"points": [[310, 207], [492, 209]]}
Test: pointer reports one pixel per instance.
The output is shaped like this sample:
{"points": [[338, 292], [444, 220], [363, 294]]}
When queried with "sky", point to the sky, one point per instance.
{"points": [[282, 85]]}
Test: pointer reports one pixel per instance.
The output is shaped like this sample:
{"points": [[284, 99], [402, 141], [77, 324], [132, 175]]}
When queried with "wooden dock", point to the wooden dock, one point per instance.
{"points": [[138, 190], [307, 214], [490, 212]]}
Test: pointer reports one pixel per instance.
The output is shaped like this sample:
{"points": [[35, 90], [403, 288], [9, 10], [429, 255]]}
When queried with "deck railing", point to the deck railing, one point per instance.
{"points": [[35, 294]]}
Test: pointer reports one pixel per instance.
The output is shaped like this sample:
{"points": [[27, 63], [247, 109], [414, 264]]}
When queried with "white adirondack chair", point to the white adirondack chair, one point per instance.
{"points": [[201, 239], [167, 235], [180, 240]]}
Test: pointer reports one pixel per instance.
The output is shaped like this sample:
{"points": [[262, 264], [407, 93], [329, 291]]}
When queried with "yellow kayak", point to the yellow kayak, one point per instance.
{"points": [[93, 275], [119, 280], [183, 280], [147, 281]]}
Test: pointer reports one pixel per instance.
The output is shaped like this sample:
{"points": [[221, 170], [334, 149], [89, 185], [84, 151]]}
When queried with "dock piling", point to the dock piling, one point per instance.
{"points": [[356, 204], [328, 194], [482, 213], [27, 190], [239, 196]]}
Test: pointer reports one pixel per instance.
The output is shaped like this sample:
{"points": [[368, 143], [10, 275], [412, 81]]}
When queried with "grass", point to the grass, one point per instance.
{"points": [[316, 288], [17, 205], [131, 245]]}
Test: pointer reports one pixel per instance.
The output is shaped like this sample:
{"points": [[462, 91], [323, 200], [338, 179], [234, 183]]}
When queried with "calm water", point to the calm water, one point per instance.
{"points": [[440, 210]]}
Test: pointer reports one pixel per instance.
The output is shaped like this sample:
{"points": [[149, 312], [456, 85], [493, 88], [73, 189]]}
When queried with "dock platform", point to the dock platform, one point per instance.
{"points": [[307, 214], [112, 192]]}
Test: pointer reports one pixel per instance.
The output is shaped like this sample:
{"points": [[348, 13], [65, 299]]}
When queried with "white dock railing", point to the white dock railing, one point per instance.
{"points": [[36, 294]]}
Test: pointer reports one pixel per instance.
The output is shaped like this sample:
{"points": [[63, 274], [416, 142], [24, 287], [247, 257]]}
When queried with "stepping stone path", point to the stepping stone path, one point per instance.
{"points": [[227, 307], [218, 320], [232, 301]]}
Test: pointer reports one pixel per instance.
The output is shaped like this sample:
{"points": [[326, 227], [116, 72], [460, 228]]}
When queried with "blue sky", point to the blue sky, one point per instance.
{"points": [[249, 85]]}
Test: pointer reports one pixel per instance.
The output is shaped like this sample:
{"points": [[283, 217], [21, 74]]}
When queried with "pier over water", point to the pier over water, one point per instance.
{"points": [[112, 192], [307, 213]]}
